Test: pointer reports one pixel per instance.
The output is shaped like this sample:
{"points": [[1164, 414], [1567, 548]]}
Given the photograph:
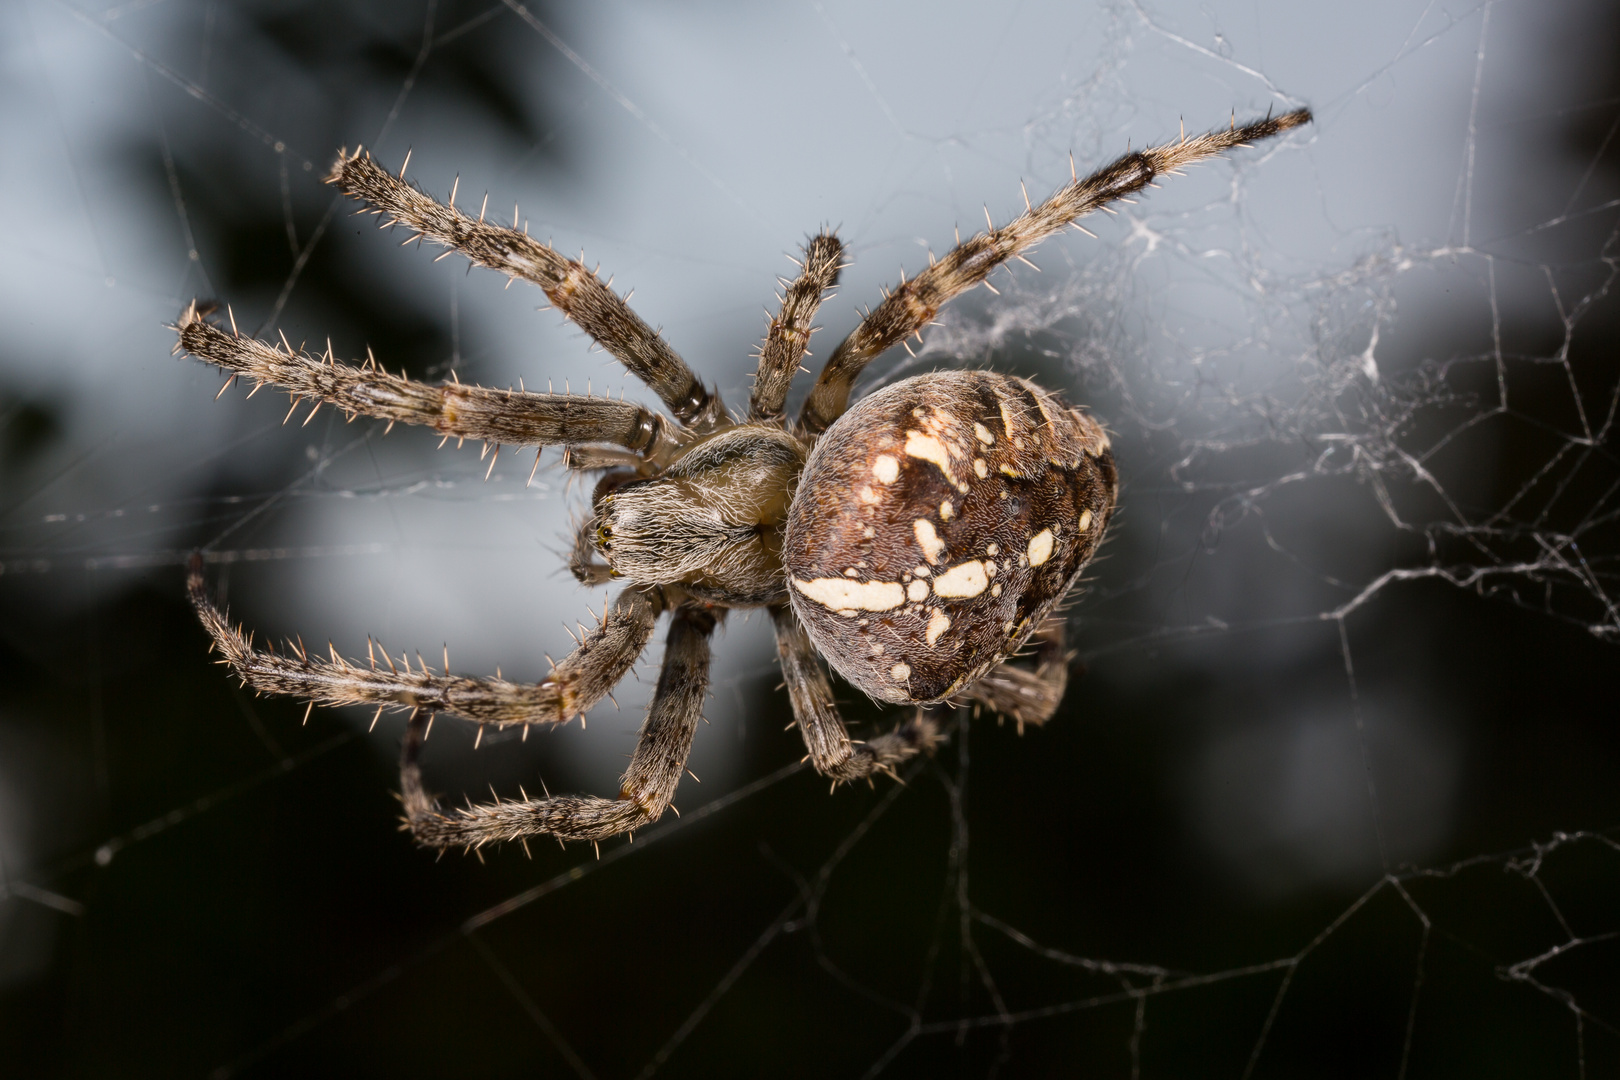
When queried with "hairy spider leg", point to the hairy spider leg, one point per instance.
{"points": [[913, 305], [645, 790], [790, 329], [457, 410], [832, 752], [581, 680], [571, 287], [1023, 695]]}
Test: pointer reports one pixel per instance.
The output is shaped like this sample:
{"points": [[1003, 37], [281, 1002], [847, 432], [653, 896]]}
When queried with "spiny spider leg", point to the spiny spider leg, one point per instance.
{"points": [[833, 753], [914, 304], [790, 330], [645, 789], [582, 679], [575, 291], [593, 458], [1023, 695], [512, 417]]}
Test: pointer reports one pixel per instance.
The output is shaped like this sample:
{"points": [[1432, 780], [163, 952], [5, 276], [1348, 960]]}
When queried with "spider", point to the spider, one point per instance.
{"points": [[918, 540]]}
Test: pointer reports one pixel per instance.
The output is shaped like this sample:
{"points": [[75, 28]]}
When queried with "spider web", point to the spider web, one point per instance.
{"points": [[1332, 790]]}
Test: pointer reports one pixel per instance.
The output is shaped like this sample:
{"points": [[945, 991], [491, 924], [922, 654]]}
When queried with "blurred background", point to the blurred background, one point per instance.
{"points": [[1333, 791]]}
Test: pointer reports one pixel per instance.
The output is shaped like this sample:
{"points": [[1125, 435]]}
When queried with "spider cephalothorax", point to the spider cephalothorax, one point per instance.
{"points": [[919, 540]]}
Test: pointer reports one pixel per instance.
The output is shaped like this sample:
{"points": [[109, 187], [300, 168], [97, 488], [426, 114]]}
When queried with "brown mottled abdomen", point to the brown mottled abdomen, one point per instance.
{"points": [[937, 523]]}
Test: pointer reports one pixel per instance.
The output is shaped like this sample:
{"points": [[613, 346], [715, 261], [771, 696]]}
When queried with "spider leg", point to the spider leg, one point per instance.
{"points": [[790, 331], [914, 304], [1025, 696], [645, 789], [512, 417], [571, 287], [594, 458], [833, 753], [582, 679]]}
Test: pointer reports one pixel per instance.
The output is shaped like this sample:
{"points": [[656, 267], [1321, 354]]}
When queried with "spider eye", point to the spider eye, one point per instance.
{"points": [[937, 524]]}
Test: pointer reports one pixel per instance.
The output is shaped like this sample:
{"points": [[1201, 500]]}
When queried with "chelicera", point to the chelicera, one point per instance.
{"points": [[919, 540]]}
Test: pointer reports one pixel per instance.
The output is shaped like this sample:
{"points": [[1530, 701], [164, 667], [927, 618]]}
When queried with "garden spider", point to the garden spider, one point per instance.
{"points": [[917, 540]]}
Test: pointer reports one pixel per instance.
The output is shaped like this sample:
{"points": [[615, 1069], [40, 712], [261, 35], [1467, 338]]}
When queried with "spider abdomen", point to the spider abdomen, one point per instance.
{"points": [[937, 523]]}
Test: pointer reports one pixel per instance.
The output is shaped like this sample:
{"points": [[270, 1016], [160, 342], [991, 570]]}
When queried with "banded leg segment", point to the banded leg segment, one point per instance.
{"points": [[790, 331], [582, 679], [645, 790], [568, 284], [833, 753], [512, 417], [1023, 695], [914, 304]]}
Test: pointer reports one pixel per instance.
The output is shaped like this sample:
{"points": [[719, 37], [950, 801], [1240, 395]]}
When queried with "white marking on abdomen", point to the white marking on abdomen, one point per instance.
{"points": [[960, 581], [927, 539], [1040, 547], [841, 594], [930, 449]]}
